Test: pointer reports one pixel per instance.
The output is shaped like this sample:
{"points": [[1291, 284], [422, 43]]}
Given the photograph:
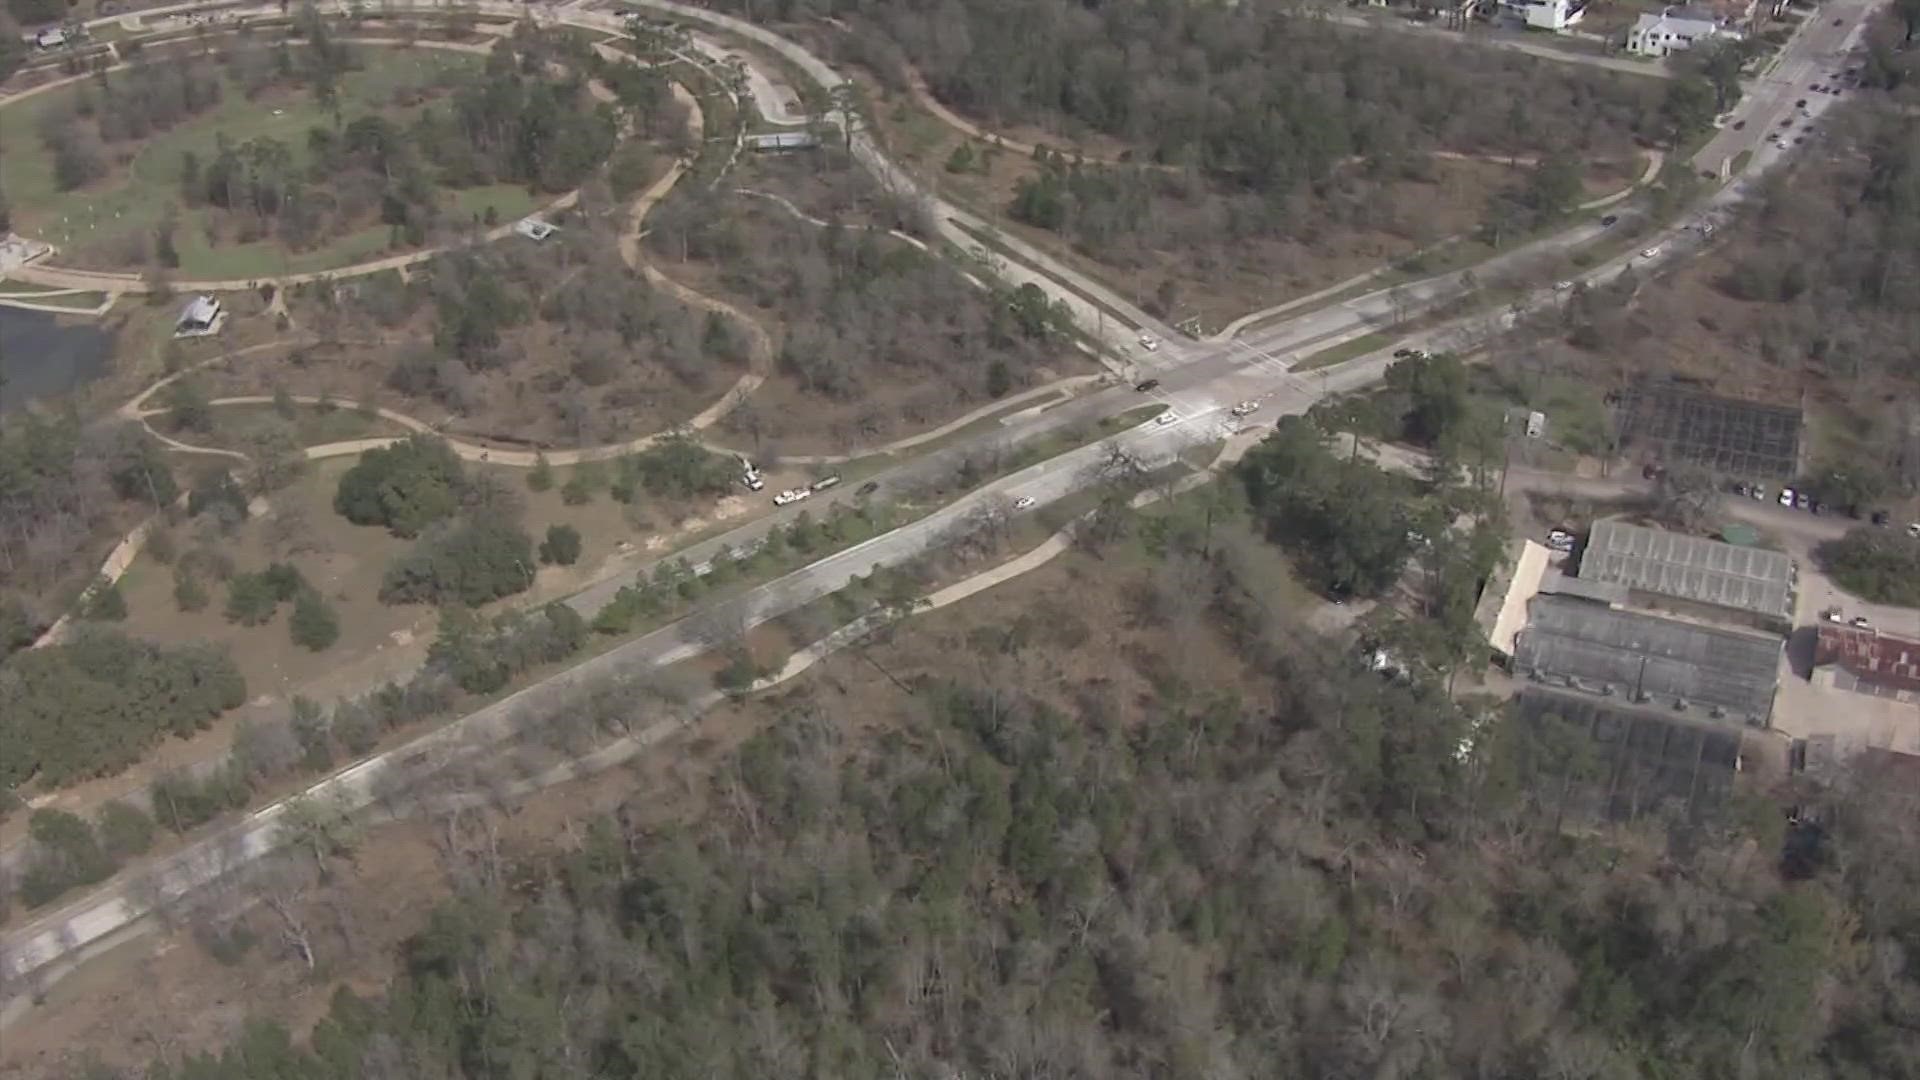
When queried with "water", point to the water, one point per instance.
{"points": [[41, 358]]}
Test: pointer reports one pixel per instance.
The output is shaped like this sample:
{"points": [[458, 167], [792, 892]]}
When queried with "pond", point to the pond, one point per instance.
{"points": [[44, 355]]}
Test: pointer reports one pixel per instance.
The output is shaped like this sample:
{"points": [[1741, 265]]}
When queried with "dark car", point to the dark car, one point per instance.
{"points": [[1145, 385], [1801, 104], [868, 488], [1881, 517], [1402, 354], [1609, 221], [1739, 125]]}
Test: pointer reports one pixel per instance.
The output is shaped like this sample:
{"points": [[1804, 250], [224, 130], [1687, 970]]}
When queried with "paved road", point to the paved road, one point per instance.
{"points": [[1818, 51], [1198, 382]]}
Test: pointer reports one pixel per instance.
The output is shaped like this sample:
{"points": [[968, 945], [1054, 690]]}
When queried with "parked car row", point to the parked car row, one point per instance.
{"points": [[1858, 622]]}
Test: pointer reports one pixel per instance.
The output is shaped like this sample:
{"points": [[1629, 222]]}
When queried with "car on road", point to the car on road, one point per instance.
{"points": [[791, 495], [1609, 221], [1165, 418], [1246, 408], [1402, 354], [1801, 104], [1650, 253], [868, 488], [1148, 343], [1739, 125], [1860, 622], [1787, 123], [1562, 286], [1839, 22], [1145, 385], [1024, 502]]}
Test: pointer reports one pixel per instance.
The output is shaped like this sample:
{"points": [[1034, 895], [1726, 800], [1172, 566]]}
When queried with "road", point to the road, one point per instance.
{"points": [[1512, 41], [1197, 380], [1819, 50]]}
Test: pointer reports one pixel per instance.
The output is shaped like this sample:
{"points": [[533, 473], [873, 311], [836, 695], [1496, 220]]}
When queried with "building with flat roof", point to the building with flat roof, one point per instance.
{"points": [[1693, 569], [1872, 662], [1577, 644], [1502, 610]]}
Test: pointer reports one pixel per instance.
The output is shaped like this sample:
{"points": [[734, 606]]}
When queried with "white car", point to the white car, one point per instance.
{"points": [[1913, 529], [1563, 286], [791, 495], [753, 481], [1148, 343], [1786, 497], [1024, 502], [1165, 418], [1246, 408], [1651, 253]]}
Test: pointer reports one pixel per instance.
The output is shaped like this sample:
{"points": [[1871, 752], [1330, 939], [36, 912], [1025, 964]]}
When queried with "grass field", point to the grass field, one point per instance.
{"points": [[132, 198]]}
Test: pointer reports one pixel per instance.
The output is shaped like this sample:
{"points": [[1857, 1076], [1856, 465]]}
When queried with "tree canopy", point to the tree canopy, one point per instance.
{"points": [[405, 487]]}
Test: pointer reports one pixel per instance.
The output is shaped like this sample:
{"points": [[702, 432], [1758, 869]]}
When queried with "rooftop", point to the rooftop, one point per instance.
{"points": [[1644, 657], [1689, 568], [1503, 604], [1675, 15], [1870, 656]]}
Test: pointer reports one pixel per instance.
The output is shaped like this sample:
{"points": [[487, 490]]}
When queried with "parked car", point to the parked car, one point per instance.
{"points": [[1145, 385], [1786, 497], [1560, 540], [1165, 418], [791, 495], [752, 481], [1913, 529], [1832, 615], [1650, 253], [1024, 502], [1246, 408], [1402, 354], [1800, 502], [1563, 286], [1148, 343], [1881, 517], [1861, 622], [826, 482]]}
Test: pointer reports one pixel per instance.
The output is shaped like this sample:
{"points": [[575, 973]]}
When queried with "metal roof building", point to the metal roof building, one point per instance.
{"points": [[1639, 657], [1690, 568]]}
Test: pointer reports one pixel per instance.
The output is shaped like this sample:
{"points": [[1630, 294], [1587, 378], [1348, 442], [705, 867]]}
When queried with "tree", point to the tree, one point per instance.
{"points": [[313, 625], [251, 599], [471, 562], [187, 405], [405, 487], [189, 594], [561, 547], [125, 831], [540, 477], [104, 602]]}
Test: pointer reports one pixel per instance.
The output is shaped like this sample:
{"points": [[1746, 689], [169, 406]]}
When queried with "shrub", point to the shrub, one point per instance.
{"points": [[561, 547], [1880, 565], [188, 593], [314, 624]]}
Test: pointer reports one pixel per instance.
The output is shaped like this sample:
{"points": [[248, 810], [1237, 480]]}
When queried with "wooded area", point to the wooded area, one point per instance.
{"points": [[1023, 866]]}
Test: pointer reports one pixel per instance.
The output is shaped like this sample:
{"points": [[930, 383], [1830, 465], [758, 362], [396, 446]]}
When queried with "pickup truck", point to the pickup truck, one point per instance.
{"points": [[791, 495]]}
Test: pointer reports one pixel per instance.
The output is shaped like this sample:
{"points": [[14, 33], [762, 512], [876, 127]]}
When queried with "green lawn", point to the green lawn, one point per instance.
{"points": [[132, 199]]}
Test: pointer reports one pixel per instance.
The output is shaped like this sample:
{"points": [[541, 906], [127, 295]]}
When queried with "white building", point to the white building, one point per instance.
{"points": [[202, 317], [1674, 30], [1554, 15]]}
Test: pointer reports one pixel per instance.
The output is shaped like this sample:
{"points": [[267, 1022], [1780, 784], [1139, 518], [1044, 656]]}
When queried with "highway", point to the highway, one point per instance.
{"points": [[1198, 382]]}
